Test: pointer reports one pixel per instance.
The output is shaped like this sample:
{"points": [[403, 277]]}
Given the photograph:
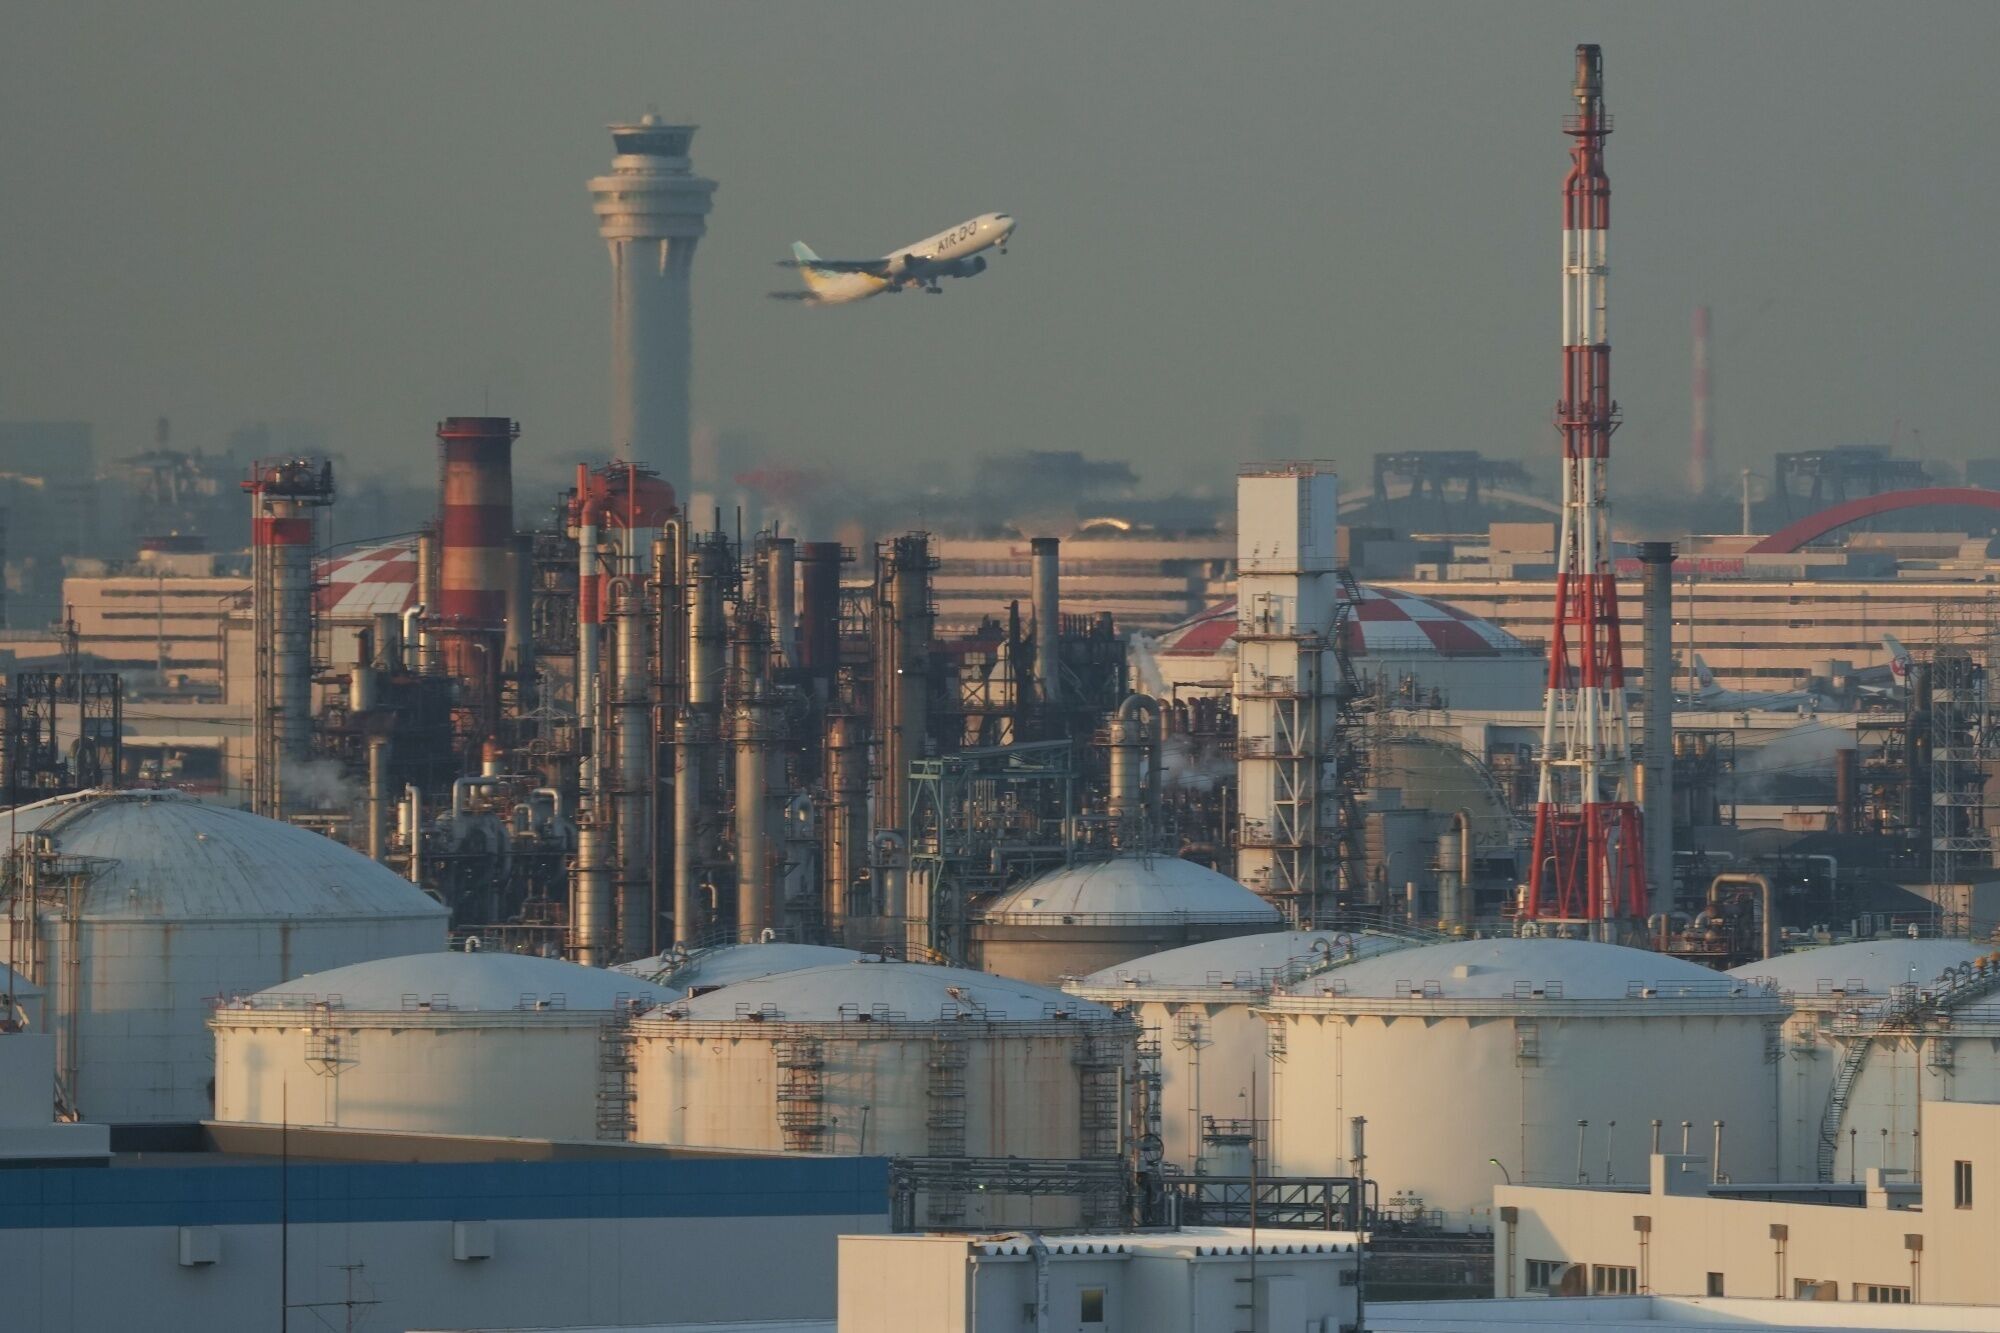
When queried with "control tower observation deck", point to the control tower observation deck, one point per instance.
{"points": [[651, 210]]}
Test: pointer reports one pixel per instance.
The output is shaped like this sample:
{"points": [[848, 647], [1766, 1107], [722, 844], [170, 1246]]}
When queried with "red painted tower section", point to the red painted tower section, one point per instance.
{"points": [[1589, 856], [476, 534]]}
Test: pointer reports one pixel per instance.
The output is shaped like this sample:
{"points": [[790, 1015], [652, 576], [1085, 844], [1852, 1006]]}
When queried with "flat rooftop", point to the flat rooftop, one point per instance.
{"points": [[1646, 1314]]}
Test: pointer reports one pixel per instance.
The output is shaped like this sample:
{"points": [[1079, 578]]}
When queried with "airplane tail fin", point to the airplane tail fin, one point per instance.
{"points": [[1899, 656], [1703, 676], [815, 278]]}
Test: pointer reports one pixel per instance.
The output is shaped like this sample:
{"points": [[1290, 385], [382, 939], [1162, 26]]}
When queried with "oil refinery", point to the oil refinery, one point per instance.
{"points": [[1380, 884]]}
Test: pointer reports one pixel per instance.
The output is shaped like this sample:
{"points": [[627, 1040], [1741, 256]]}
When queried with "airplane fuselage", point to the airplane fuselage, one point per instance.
{"points": [[953, 252]]}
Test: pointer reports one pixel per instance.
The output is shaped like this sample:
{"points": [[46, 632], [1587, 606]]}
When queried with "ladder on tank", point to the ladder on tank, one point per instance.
{"points": [[944, 1119], [615, 1068], [802, 1094], [1905, 1006]]}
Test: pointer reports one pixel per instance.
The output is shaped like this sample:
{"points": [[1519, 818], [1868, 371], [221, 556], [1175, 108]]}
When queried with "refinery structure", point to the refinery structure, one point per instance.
{"points": [[1355, 881]]}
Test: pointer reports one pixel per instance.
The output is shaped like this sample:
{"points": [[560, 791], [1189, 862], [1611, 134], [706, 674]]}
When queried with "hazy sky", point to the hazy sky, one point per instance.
{"points": [[369, 216]]}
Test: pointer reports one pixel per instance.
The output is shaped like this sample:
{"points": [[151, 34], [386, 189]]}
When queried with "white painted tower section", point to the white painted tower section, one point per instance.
{"points": [[1287, 683], [651, 210]]}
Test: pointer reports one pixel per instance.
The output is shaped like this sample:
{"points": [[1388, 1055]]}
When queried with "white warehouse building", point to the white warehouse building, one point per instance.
{"points": [[136, 910], [1539, 1060], [487, 1044], [1200, 1004], [903, 1059], [1894, 1024]]}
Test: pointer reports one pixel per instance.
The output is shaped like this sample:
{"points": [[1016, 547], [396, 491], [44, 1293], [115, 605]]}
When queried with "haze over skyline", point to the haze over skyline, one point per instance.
{"points": [[372, 216]]}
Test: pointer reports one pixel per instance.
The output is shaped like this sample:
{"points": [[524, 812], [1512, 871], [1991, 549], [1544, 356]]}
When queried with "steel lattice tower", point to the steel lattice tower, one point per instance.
{"points": [[1589, 855]]}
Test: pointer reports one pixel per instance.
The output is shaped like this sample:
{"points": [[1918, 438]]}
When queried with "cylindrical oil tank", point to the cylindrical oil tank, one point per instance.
{"points": [[1470, 1052], [146, 905], [1096, 914], [1201, 1000], [898, 1059], [1839, 998], [490, 1044]]}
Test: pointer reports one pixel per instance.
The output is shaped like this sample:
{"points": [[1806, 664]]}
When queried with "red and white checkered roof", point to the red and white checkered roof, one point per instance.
{"points": [[366, 581], [1386, 623]]}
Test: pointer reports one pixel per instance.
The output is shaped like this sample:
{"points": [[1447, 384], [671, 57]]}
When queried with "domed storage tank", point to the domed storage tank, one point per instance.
{"points": [[1875, 1004], [1199, 1003], [902, 1059], [1087, 917], [149, 905], [704, 969], [490, 1044], [1494, 1049]]}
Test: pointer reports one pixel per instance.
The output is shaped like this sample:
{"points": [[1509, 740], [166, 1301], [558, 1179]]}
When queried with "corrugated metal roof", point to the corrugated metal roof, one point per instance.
{"points": [[917, 992], [1872, 966], [1134, 887], [463, 982], [1517, 968], [166, 855]]}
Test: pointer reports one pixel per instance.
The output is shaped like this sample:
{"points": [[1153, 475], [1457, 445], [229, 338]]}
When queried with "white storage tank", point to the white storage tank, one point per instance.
{"points": [[1465, 1053], [693, 972], [1087, 917], [490, 1044], [902, 1059], [1199, 1003], [1874, 1006], [149, 905]]}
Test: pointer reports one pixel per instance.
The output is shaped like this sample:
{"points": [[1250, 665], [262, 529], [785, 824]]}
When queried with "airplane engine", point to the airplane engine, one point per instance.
{"points": [[978, 265]]}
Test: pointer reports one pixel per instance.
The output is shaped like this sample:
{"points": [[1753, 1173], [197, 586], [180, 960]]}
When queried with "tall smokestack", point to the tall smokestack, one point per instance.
{"points": [[1658, 789], [652, 210], [1047, 591], [283, 497], [1588, 864], [475, 564], [1698, 441], [819, 608]]}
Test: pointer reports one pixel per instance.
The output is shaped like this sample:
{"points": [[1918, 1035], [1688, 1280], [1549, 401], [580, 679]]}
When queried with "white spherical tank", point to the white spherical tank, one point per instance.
{"points": [[1464, 1054], [1199, 1004], [489, 1044], [146, 906], [1087, 917], [1910, 1021], [903, 1059]]}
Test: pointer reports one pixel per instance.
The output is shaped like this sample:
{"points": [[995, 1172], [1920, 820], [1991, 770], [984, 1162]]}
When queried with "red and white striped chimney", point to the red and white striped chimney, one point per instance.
{"points": [[476, 532]]}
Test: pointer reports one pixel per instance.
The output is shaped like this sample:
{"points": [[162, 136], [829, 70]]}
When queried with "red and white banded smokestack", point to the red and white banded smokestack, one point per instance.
{"points": [[1588, 862], [1698, 439], [476, 529]]}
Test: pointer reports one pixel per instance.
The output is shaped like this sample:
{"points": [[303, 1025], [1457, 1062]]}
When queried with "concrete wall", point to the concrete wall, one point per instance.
{"points": [[83, 1251], [1693, 1235]]}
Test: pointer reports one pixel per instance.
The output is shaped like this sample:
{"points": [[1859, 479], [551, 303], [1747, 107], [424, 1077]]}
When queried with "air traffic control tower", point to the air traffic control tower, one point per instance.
{"points": [[651, 210]]}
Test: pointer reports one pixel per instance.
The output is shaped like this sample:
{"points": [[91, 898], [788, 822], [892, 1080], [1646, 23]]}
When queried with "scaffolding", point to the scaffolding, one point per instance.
{"points": [[944, 1119], [1962, 725], [64, 733], [980, 821], [802, 1118], [615, 1068]]}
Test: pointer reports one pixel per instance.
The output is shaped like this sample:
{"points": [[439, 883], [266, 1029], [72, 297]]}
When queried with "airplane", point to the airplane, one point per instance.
{"points": [[1710, 695], [1886, 682], [952, 253]]}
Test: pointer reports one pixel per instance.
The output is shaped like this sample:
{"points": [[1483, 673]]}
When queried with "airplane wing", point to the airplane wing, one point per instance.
{"points": [[874, 268], [793, 296]]}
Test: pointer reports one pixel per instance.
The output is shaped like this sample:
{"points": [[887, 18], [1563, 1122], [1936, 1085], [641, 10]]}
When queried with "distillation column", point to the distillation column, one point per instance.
{"points": [[632, 763], [697, 730], [1657, 790], [1589, 863], [1046, 571], [652, 210], [903, 622]]}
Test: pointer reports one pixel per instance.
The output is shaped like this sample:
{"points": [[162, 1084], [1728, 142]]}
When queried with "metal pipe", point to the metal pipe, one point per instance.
{"points": [[554, 798], [361, 688], [632, 743], [427, 594], [690, 735], [591, 909], [755, 799], [416, 802], [588, 617], [1767, 910], [708, 636], [378, 798], [388, 642], [1455, 865], [846, 830], [1136, 729], [461, 790], [1657, 773], [1046, 566], [413, 620]]}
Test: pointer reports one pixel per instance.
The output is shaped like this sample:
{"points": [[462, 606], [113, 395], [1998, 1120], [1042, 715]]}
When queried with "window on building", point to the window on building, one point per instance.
{"points": [[1814, 1289], [1090, 1305], [1961, 1184], [1613, 1280], [1715, 1284], [1873, 1294], [1543, 1274]]}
